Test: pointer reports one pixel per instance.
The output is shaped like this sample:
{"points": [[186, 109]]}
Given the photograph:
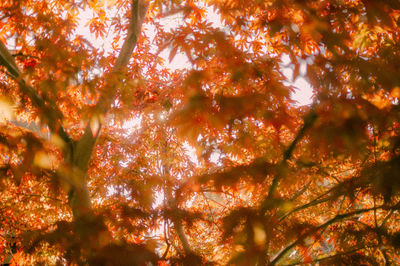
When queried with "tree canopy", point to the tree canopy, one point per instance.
{"points": [[110, 156]]}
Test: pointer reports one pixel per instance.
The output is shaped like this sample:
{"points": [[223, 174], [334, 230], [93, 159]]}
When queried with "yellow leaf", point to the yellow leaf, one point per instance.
{"points": [[110, 3], [95, 124], [44, 160], [57, 140], [379, 101], [259, 234], [395, 92], [6, 109], [287, 206], [239, 248], [151, 244]]}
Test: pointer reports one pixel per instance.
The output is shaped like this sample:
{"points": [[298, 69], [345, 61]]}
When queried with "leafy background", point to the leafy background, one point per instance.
{"points": [[110, 156]]}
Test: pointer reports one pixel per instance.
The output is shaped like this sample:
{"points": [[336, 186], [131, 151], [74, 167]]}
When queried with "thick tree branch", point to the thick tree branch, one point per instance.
{"points": [[182, 236], [84, 147], [137, 16], [138, 13]]}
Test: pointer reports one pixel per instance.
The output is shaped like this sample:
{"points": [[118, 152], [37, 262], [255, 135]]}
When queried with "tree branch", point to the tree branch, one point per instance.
{"points": [[309, 120], [327, 223], [50, 111], [305, 206], [138, 13], [84, 147], [331, 257]]}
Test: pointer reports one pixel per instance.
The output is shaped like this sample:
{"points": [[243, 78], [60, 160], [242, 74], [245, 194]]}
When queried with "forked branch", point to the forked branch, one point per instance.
{"points": [[84, 147]]}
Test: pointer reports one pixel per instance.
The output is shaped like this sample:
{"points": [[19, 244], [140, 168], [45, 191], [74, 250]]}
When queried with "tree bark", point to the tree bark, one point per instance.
{"points": [[83, 148]]}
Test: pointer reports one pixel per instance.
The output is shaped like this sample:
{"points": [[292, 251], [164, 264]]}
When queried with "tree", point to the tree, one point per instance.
{"points": [[108, 156]]}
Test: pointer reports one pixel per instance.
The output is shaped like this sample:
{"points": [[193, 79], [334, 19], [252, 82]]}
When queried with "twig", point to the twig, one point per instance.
{"points": [[327, 223], [314, 202], [309, 120], [329, 257]]}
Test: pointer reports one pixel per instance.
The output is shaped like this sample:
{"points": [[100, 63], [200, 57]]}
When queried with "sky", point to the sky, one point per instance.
{"points": [[303, 94], [303, 91]]}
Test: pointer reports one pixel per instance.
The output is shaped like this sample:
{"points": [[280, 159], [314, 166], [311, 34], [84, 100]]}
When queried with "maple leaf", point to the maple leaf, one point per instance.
{"points": [[109, 154]]}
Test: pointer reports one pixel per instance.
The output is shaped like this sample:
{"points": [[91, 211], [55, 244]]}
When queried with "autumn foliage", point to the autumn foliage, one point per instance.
{"points": [[111, 156]]}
